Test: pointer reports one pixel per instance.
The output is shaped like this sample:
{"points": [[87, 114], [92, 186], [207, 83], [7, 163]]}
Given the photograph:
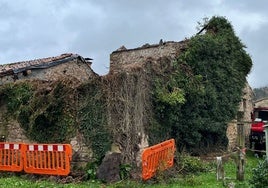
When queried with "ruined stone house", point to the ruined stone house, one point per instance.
{"points": [[129, 140], [133, 93], [69, 65], [65, 66], [129, 60]]}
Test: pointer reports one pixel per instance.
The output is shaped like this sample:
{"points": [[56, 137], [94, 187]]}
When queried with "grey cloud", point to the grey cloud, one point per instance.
{"points": [[256, 42], [32, 29]]}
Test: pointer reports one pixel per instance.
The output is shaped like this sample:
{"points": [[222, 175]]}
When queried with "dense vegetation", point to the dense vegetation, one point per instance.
{"points": [[43, 110], [52, 112], [260, 174], [92, 117], [204, 88]]}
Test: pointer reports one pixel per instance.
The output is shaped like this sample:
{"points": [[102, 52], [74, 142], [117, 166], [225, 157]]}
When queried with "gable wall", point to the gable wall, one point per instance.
{"points": [[74, 69]]}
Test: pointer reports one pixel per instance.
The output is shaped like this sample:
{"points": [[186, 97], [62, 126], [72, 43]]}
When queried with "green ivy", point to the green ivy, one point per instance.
{"points": [[51, 113], [92, 117], [208, 79], [174, 97], [15, 96], [43, 115]]}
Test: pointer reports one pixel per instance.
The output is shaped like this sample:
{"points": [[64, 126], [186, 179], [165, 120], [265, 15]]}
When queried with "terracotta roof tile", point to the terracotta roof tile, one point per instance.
{"points": [[12, 68]]}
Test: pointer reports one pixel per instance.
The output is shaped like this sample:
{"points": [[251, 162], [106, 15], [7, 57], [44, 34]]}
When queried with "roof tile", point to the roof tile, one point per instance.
{"points": [[6, 69]]}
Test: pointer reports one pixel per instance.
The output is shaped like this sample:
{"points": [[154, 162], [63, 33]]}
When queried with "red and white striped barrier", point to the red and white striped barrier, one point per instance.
{"points": [[46, 147], [53, 159], [10, 146], [11, 156]]}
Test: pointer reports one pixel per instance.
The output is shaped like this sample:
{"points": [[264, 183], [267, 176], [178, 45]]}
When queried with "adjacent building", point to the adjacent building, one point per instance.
{"points": [[72, 66]]}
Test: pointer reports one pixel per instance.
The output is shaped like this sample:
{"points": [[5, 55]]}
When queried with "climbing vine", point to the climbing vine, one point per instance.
{"points": [[15, 96], [92, 117], [44, 112], [191, 99], [207, 78]]}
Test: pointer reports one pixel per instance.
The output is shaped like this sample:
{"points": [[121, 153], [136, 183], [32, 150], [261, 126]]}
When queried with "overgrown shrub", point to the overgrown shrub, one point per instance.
{"points": [[187, 164], [260, 175], [186, 167]]}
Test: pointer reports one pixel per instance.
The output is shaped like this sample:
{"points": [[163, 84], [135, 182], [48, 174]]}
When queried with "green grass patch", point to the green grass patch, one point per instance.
{"points": [[205, 179]]}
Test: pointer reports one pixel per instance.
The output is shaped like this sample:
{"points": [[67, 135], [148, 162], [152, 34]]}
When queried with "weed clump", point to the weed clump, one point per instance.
{"points": [[260, 175]]}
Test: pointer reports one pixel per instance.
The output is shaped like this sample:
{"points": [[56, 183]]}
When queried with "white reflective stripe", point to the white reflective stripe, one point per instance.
{"points": [[31, 147], [60, 148], [6, 146], [50, 148], [40, 148], [16, 146]]}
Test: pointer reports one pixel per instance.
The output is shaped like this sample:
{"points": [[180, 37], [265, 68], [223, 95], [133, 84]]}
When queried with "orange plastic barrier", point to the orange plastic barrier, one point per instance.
{"points": [[11, 156], [158, 157], [53, 159]]}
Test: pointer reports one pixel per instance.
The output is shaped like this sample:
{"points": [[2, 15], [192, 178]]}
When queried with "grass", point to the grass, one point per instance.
{"points": [[198, 180]]}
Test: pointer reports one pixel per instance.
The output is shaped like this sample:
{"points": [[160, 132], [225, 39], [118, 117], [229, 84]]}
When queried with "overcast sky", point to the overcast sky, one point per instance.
{"points": [[31, 29]]}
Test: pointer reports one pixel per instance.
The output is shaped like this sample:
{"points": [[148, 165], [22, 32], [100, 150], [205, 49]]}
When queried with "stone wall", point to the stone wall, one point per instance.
{"points": [[245, 109], [7, 79], [82, 154], [75, 69], [3, 123], [123, 59], [261, 103], [133, 94], [11, 131], [248, 106]]}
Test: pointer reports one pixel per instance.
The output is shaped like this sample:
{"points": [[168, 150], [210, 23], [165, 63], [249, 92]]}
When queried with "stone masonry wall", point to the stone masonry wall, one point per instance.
{"points": [[124, 59], [133, 94], [120, 59], [75, 69], [11, 131], [245, 108], [261, 103]]}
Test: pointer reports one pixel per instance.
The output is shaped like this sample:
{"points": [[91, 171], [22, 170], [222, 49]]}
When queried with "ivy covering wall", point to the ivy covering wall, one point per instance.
{"points": [[44, 110], [191, 99], [204, 88], [92, 117], [53, 112]]}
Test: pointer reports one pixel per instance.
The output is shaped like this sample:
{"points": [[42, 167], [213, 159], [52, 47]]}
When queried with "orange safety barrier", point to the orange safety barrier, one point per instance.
{"points": [[53, 159], [157, 157], [11, 156]]}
